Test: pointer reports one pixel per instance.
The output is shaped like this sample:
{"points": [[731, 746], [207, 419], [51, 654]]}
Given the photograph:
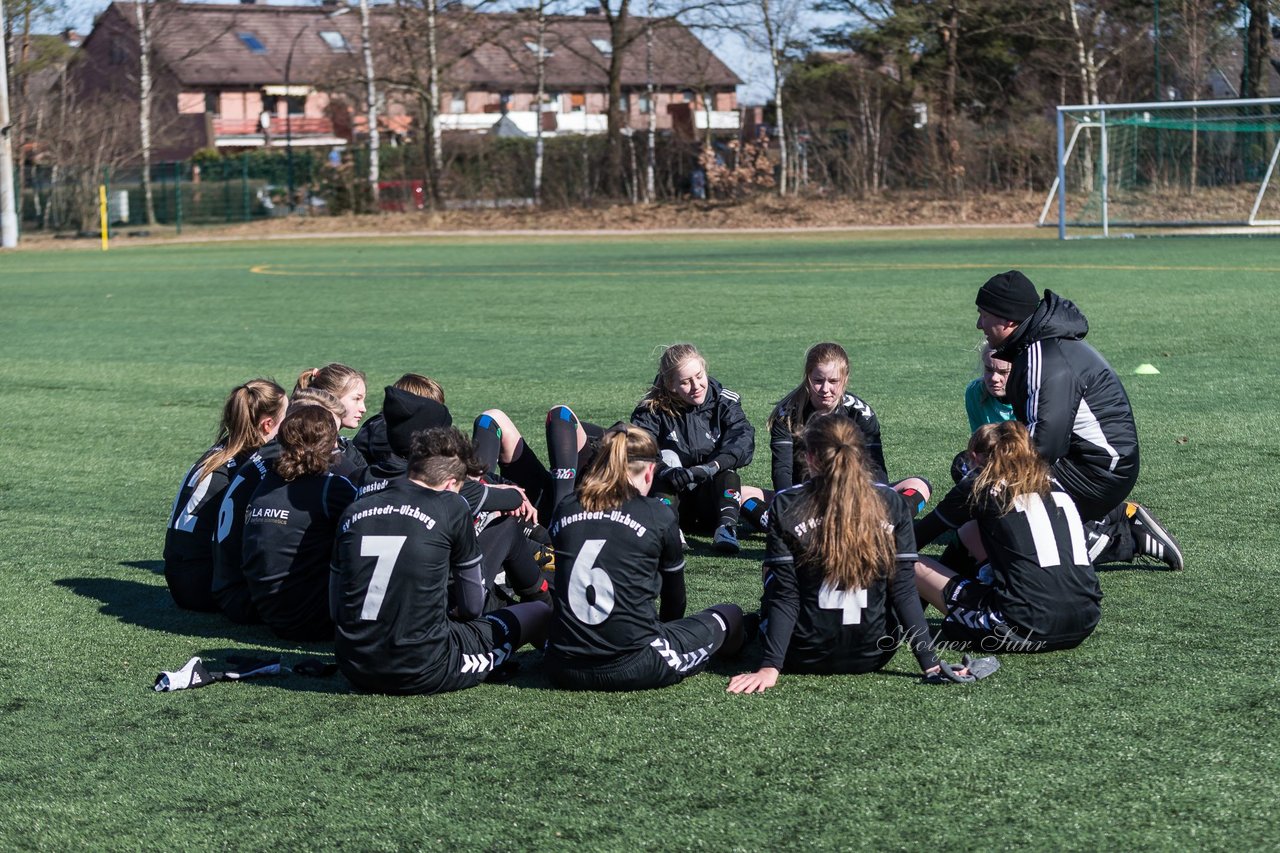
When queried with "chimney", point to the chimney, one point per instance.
{"points": [[591, 10]]}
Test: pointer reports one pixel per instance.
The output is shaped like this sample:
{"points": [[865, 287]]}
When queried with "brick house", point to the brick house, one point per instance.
{"points": [[244, 76]]}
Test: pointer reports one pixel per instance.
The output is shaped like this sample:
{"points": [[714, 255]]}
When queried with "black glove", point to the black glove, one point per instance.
{"points": [[678, 478]]}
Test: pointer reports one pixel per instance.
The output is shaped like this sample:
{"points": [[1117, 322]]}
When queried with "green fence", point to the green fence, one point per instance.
{"points": [[212, 190]]}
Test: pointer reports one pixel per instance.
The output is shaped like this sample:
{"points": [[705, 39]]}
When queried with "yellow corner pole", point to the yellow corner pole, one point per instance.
{"points": [[102, 213]]}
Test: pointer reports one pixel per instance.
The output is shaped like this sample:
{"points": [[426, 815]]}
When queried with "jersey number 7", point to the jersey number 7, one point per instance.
{"points": [[387, 550]]}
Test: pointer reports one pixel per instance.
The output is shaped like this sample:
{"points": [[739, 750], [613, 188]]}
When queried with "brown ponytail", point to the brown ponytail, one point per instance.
{"points": [[660, 397], [853, 541], [316, 397], [245, 408], [624, 450], [1013, 466], [335, 378], [307, 437]]}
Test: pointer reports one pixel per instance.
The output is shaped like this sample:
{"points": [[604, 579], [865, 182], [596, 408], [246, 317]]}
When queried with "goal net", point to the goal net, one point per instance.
{"points": [[1166, 165]]}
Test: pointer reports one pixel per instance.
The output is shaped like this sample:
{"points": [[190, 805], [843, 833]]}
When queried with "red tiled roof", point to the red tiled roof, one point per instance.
{"points": [[200, 43]]}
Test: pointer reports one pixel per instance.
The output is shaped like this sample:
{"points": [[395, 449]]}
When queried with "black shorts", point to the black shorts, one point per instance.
{"points": [[975, 619], [682, 648], [474, 653], [700, 507]]}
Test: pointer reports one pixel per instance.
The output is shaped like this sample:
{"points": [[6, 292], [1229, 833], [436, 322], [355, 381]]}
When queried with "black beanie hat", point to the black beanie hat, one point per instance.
{"points": [[1009, 295], [406, 414]]}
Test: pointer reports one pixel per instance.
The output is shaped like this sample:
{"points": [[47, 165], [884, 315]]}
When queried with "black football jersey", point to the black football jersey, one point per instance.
{"points": [[228, 545], [289, 530], [189, 535], [609, 571], [809, 624], [397, 549], [1044, 581], [790, 467]]}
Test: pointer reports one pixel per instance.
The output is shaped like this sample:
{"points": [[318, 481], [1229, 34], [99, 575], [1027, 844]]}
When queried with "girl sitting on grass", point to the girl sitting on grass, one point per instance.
{"points": [[250, 418], [839, 586], [290, 527], [1036, 588], [704, 437], [616, 550]]}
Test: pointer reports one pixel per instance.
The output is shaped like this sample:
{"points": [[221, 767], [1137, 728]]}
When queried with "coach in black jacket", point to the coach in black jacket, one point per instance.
{"points": [[1077, 411], [1063, 390]]}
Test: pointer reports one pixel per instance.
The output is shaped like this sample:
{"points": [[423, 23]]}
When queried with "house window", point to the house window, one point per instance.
{"points": [[577, 102], [645, 106], [533, 48], [296, 105], [458, 103], [211, 103], [624, 103], [117, 53], [504, 101], [337, 41], [251, 41], [604, 46]]}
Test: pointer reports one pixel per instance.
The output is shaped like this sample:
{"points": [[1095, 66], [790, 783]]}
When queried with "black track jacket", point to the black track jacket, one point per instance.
{"points": [[716, 430], [1071, 400]]}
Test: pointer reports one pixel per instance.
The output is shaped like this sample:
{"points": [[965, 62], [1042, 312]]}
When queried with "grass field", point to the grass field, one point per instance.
{"points": [[1159, 732]]}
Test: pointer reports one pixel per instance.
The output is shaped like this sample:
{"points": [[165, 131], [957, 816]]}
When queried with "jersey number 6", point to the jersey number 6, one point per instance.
{"points": [[590, 587]]}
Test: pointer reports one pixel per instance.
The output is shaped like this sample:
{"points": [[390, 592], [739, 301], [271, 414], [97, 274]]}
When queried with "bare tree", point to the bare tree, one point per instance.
{"points": [[425, 42], [141, 8], [371, 98], [775, 27], [539, 100]]}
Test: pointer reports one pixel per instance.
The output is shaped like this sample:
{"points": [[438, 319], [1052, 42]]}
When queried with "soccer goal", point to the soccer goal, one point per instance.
{"points": [[1166, 165]]}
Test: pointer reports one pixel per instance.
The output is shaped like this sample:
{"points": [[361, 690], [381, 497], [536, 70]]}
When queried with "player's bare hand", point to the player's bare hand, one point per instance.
{"points": [[754, 682]]}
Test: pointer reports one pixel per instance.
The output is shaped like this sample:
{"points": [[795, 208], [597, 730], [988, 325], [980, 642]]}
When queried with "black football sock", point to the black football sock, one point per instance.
{"points": [[562, 445], [524, 575], [518, 624], [729, 490], [756, 512], [915, 500], [734, 635], [486, 436]]}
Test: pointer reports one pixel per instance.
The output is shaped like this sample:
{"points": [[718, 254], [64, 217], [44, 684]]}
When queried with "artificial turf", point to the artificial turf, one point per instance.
{"points": [[1158, 732]]}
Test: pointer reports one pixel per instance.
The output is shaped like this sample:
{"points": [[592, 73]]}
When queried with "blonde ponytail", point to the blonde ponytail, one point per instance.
{"points": [[623, 452]]}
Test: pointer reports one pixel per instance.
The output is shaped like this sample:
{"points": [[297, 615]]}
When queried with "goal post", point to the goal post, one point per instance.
{"points": [[1166, 165]]}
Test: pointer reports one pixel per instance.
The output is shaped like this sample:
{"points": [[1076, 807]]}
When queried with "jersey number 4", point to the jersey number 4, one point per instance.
{"points": [[849, 601], [590, 587]]}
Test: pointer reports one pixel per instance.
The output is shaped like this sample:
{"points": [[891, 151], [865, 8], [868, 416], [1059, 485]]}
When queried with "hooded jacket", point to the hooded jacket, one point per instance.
{"points": [[717, 430], [1070, 399]]}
